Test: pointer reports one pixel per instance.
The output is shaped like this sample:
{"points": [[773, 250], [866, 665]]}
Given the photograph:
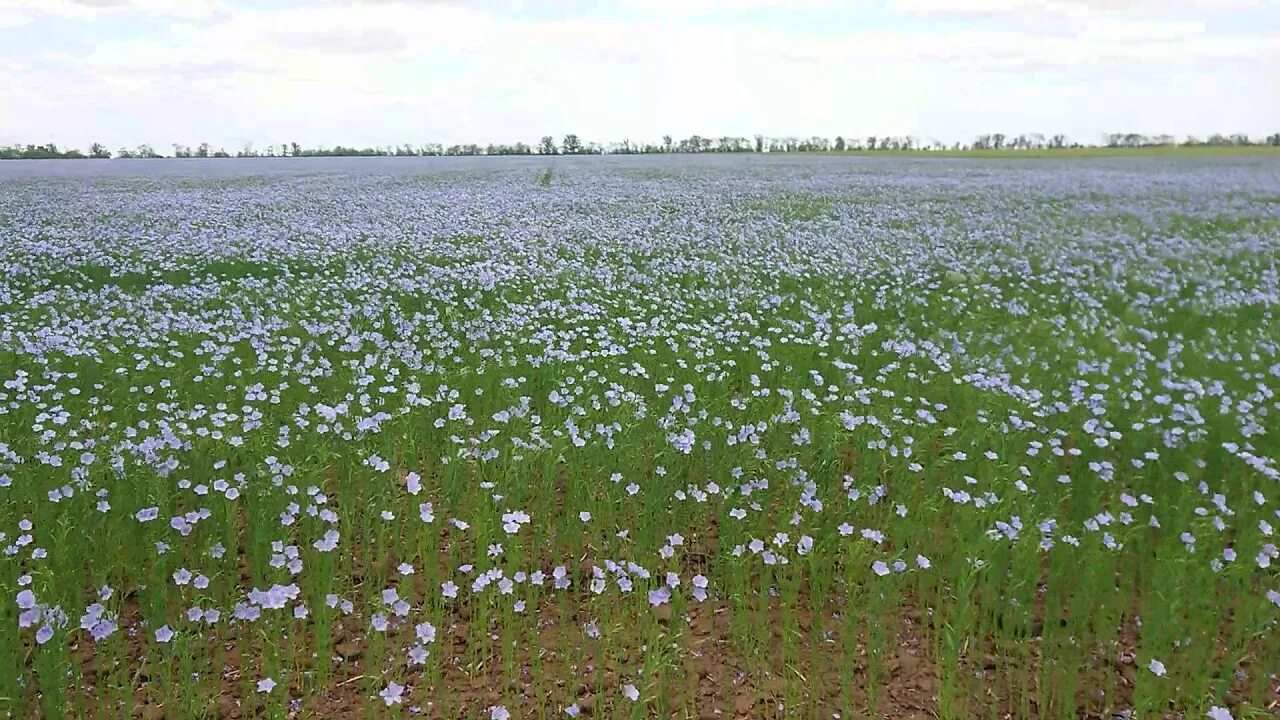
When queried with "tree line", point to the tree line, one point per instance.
{"points": [[571, 144]]}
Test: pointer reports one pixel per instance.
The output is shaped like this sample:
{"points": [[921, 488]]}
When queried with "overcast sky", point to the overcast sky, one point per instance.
{"points": [[379, 72]]}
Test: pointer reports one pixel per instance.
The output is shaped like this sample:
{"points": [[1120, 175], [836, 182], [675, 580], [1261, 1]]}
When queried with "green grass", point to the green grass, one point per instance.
{"points": [[1001, 389], [1164, 151]]}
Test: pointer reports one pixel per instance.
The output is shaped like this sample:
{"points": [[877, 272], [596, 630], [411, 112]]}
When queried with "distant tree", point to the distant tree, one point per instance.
{"points": [[728, 144], [573, 145], [48, 151]]}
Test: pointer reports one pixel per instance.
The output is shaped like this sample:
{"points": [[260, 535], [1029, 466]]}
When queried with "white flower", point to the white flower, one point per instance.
{"points": [[392, 693]]}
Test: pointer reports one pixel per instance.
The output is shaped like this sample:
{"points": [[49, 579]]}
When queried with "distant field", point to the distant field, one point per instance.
{"points": [[1085, 152], [766, 437]]}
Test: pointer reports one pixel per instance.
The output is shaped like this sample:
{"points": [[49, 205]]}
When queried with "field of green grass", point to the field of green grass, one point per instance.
{"points": [[776, 437], [1160, 151]]}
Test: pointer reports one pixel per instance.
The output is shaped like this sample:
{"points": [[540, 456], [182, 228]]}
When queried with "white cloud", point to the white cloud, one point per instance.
{"points": [[389, 71], [1068, 8]]}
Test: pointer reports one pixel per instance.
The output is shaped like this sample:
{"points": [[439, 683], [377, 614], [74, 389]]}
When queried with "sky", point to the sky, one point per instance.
{"points": [[379, 72]]}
